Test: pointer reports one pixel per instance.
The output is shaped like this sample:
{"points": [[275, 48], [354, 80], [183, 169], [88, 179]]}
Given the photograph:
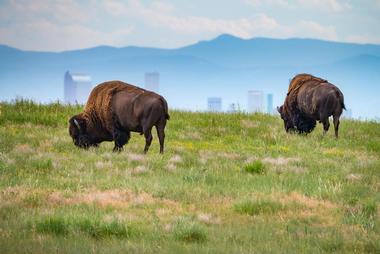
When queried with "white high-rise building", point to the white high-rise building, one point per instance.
{"points": [[152, 81], [255, 101], [270, 103], [214, 104], [77, 88]]}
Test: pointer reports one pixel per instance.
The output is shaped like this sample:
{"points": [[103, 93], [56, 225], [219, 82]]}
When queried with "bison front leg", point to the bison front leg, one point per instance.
{"points": [[120, 138]]}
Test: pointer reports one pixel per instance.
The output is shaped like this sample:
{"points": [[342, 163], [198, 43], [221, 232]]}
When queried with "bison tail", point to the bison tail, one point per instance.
{"points": [[165, 105], [340, 97]]}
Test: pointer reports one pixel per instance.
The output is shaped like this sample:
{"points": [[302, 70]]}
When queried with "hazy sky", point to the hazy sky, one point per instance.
{"points": [[65, 24]]}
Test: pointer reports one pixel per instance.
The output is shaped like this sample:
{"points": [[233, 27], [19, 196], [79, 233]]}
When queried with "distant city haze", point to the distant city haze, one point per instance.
{"points": [[227, 67], [190, 51]]}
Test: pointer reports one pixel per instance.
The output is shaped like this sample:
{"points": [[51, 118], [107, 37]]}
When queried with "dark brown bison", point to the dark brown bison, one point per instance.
{"points": [[113, 110], [310, 99]]}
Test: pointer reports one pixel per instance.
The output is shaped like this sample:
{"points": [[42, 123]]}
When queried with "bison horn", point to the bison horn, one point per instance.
{"points": [[77, 124]]}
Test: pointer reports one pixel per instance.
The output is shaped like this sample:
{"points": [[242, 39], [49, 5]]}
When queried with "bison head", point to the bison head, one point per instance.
{"points": [[288, 120], [77, 131]]}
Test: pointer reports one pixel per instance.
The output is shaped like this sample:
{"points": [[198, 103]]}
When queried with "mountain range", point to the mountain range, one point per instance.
{"points": [[225, 66]]}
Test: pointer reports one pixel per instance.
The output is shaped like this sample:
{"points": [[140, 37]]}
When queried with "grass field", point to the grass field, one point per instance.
{"points": [[227, 183]]}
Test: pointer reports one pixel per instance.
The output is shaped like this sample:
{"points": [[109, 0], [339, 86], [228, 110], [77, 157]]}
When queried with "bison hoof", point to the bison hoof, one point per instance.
{"points": [[117, 149]]}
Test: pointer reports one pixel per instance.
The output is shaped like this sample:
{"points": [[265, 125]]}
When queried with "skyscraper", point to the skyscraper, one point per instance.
{"points": [[77, 88], [152, 81], [270, 103], [214, 104], [255, 101]]}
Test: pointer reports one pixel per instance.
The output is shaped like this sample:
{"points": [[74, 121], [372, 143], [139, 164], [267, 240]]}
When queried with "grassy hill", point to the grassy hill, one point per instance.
{"points": [[227, 183]]}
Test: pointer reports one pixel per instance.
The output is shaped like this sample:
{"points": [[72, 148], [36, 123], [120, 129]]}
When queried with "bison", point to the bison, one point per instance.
{"points": [[115, 109], [310, 99]]}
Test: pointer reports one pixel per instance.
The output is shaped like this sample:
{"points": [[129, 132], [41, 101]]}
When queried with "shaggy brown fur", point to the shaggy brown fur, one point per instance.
{"points": [[290, 103], [310, 99], [113, 110]]}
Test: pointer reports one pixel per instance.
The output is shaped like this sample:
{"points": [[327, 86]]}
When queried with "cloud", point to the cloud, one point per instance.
{"points": [[325, 5], [258, 3], [311, 29], [321, 5], [244, 27], [62, 25], [256, 25], [162, 16], [54, 25], [366, 38], [58, 11], [47, 36]]}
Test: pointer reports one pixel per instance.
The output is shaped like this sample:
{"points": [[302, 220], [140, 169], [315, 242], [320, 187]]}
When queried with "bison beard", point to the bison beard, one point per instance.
{"points": [[304, 124]]}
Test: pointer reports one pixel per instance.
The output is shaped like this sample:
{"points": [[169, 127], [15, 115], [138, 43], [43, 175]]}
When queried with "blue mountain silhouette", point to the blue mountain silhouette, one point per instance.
{"points": [[226, 66]]}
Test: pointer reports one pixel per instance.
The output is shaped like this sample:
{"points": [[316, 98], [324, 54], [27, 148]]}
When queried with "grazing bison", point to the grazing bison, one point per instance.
{"points": [[310, 99], [113, 110]]}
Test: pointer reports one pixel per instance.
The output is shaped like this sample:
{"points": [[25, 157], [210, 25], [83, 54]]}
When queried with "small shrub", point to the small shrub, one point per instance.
{"points": [[42, 165], [53, 225], [98, 229], [256, 167], [258, 207], [189, 231], [363, 214], [93, 227], [191, 178], [369, 209], [33, 200], [332, 243]]}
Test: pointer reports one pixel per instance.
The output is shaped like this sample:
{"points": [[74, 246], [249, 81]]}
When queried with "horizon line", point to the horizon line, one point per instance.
{"points": [[191, 44]]}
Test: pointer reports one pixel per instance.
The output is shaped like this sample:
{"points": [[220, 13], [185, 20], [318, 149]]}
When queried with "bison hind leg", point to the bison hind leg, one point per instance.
{"points": [[148, 139], [326, 125], [336, 125], [121, 138], [160, 127]]}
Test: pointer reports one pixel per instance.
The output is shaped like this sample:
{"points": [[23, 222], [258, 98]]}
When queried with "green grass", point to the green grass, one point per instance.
{"points": [[258, 207], [188, 231], [53, 225], [256, 167], [227, 183]]}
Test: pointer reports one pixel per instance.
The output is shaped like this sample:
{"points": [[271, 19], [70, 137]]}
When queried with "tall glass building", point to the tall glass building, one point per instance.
{"points": [[270, 103], [77, 88], [214, 104], [255, 101], [152, 81]]}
